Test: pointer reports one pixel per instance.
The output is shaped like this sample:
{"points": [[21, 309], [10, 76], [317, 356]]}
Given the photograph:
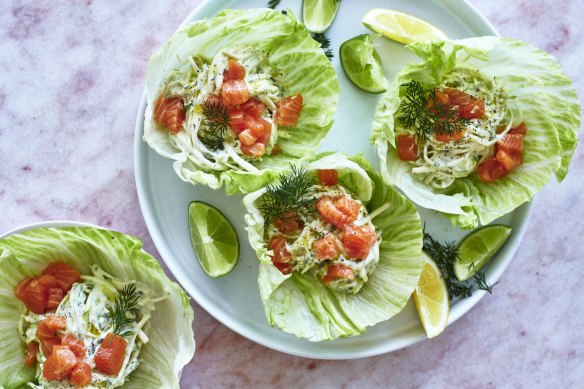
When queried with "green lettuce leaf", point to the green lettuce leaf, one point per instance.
{"points": [[292, 51], [546, 101], [171, 344], [301, 305]]}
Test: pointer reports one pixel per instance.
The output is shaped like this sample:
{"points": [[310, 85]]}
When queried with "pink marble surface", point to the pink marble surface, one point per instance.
{"points": [[71, 76]]}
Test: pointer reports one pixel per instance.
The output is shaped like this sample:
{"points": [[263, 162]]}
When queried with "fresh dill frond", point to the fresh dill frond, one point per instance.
{"points": [[482, 283], [273, 3], [444, 255], [125, 304], [321, 38], [217, 119], [290, 195], [325, 44], [422, 111]]}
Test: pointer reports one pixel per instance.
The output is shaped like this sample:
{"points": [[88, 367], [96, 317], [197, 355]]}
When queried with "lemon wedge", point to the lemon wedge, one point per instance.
{"points": [[400, 26], [431, 298]]}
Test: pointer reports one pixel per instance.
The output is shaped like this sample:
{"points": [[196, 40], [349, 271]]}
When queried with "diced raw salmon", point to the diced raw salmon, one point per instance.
{"points": [[80, 375], [267, 132], [59, 364], [338, 271], [234, 71], [511, 143], [55, 296], [288, 223], [110, 355], [234, 92], [467, 106], [278, 245], [328, 247], [510, 161], [21, 287], [443, 137], [288, 112], [328, 177], [44, 332], [339, 211], [357, 241], [246, 138], [407, 148], [75, 345], [255, 151], [490, 170], [170, 113], [520, 129], [48, 344], [34, 296], [66, 275], [56, 323], [31, 354]]}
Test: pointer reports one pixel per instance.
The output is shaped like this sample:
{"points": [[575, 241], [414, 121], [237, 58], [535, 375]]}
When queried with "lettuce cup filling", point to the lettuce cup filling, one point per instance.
{"points": [[476, 128], [86, 307], [338, 250], [235, 98]]}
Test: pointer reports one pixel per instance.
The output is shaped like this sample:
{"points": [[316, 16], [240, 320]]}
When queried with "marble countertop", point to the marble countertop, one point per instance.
{"points": [[71, 76]]}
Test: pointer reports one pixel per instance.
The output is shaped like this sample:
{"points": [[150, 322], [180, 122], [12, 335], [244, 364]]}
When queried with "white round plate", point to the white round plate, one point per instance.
{"points": [[46, 224], [234, 299]]}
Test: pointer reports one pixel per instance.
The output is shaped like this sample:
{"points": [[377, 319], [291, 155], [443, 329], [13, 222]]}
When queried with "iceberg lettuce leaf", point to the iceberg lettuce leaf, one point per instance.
{"points": [[292, 51], [301, 305], [171, 340], [543, 97]]}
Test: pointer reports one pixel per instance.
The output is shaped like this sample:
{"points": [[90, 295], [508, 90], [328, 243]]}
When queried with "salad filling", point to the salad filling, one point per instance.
{"points": [[324, 230], [462, 126], [227, 111], [83, 331]]}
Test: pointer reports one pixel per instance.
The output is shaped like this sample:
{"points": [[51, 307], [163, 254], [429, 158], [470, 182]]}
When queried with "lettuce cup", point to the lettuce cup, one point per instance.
{"points": [[83, 306], [233, 99], [338, 250], [476, 128]]}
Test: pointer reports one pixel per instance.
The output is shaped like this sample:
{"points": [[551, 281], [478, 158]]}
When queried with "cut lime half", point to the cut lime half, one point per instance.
{"points": [[213, 238], [400, 26], [478, 248], [318, 15], [362, 64]]}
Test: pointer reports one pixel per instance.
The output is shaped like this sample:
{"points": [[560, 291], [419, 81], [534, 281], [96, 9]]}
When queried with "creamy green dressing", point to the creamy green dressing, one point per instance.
{"points": [[303, 257], [441, 163], [86, 307], [198, 79]]}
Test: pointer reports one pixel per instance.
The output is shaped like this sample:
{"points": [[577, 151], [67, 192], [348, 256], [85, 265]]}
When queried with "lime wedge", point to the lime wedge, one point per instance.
{"points": [[400, 26], [318, 15], [213, 238], [431, 298], [478, 248], [362, 64]]}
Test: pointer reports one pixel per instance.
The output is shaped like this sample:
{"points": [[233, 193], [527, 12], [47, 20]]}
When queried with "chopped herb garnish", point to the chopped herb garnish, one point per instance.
{"points": [[422, 111], [444, 255], [125, 304], [290, 195], [217, 123], [325, 44], [273, 3]]}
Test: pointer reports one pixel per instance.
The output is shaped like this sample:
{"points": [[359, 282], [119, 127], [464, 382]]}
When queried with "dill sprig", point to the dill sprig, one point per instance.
{"points": [[125, 304], [422, 111], [290, 195], [482, 283], [273, 3], [325, 44], [444, 255], [217, 122]]}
